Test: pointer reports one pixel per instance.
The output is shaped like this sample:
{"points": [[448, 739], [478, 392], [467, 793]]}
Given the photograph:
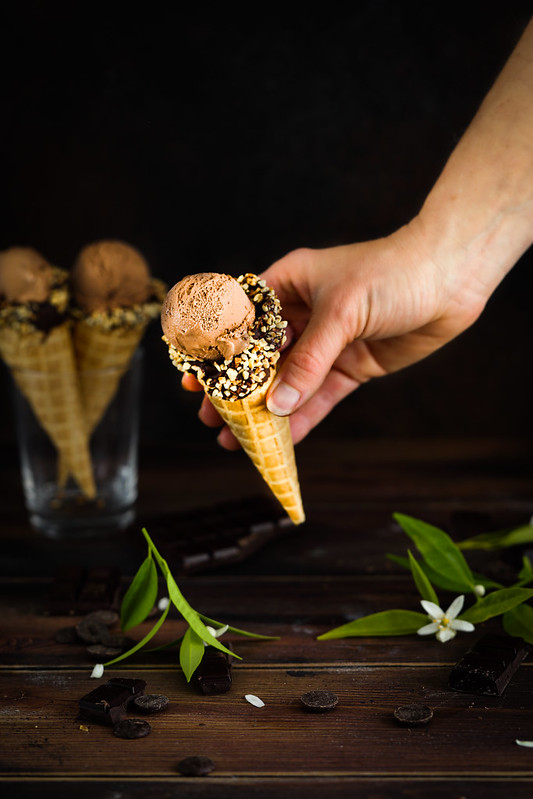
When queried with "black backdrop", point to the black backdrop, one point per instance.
{"points": [[220, 137]]}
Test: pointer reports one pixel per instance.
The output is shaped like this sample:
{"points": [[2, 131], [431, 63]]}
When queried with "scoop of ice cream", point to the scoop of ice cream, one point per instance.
{"points": [[25, 276], [207, 316], [109, 274]]}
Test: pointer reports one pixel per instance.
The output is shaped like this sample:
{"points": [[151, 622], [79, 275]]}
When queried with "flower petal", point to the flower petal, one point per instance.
{"points": [[446, 634], [428, 629], [463, 626], [456, 607], [97, 672], [432, 609]]}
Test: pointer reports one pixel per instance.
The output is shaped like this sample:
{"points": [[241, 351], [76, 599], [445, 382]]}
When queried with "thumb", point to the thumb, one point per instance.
{"points": [[306, 366]]}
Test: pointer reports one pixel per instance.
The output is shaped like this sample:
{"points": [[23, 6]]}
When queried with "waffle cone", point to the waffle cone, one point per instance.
{"points": [[267, 441], [103, 355], [53, 391]]}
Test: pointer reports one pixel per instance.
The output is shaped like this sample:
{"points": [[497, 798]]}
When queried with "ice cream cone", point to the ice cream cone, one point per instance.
{"points": [[267, 441], [103, 356], [44, 368], [228, 334]]}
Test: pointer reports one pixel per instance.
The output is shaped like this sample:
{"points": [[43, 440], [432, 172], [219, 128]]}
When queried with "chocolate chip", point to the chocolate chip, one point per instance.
{"points": [[413, 714], [67, 635], [319, 701], [151, 703], [195, 766], [132, 728], [107, 617], [118, 641], [99, 652], [91, 632]]}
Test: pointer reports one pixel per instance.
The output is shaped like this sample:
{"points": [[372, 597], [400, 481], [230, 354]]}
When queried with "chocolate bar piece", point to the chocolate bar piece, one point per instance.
{"points": [[76, 590], [108, 703], [213, 675], [489, 665], [210, 537]]}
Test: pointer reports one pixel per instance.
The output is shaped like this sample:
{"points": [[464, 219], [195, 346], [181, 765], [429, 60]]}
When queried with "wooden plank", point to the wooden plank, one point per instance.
{"points": [[264, 787], [297, 609], [469, 736]]}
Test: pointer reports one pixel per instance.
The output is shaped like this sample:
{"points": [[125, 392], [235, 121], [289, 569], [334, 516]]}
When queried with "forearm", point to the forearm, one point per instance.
{"points": [[478, 219]]}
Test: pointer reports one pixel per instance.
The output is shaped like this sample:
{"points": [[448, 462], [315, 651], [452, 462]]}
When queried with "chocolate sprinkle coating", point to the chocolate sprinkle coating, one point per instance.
{"points": [[196, 766], [413, 714]]}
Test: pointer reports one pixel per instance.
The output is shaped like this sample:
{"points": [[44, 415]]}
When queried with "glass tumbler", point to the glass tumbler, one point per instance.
{"points": [[78, 444]]}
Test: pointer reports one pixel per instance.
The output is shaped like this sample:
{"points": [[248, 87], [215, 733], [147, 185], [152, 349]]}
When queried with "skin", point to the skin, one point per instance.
{"points": [[364, 310]]}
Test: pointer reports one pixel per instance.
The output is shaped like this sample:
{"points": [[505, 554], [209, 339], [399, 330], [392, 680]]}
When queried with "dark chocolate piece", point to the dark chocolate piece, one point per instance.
{"points": [[213, 675], [99, 589], [91, 632], [108, 704], [224, 533], [151, 703], [319, 701], [106, 617], [132, 728], [64, 590], [76, 591], [413, 714], [488, 666], [196, 766]]}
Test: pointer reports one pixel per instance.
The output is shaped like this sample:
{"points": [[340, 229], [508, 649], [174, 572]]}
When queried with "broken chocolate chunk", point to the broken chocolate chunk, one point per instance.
{"points": [[213, 675], [488, 666], [196, 766], [132, 729], [108, 704]]}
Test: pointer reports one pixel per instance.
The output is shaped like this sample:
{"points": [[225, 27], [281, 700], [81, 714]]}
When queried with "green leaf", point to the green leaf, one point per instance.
{"points": [[525, 574], [438, 550], [495, 604], [424, 586], [141, 596], [144, 641], [499, 539], [189, 614], [237, 631], [440, 581], [519, 622], [191, 653], [388, 622]]}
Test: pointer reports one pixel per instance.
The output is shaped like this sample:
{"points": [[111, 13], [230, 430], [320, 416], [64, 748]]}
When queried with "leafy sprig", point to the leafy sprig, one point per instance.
{"points": [[441, 563], [141, 597]]}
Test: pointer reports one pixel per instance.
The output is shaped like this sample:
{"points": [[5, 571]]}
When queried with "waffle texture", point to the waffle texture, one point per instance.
{"points": [[44, 368], [267, 441]]}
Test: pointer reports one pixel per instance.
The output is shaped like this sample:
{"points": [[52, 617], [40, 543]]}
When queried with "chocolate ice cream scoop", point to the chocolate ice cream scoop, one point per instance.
{"points": [[25, 276], [208, 316], [110, 274]]}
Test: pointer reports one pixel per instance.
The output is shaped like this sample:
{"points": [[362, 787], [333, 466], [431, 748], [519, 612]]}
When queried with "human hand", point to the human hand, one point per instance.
{"points": [[356, 312]]}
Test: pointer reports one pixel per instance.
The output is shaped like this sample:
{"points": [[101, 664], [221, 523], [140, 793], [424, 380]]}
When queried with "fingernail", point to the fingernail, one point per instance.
{"points": [[283, 400]]}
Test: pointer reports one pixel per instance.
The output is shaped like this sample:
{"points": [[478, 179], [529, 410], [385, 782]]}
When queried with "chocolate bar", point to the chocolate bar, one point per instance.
{"points": [[108, 704], [76, 590], [213, 675], [227, 532], [489, 665]]}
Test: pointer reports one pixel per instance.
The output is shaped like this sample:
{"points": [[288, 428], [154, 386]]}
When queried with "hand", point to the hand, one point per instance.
{"points": [[355, 312]]}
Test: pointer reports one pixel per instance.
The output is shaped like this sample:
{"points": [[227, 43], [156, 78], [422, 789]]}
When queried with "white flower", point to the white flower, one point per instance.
{"points": [[254, 700], [163, 603], [216, 633], [445, 624], [98, 671]]}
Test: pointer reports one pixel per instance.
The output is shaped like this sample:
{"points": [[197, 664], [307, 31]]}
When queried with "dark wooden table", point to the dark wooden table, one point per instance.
{"points": [[330, 570]]}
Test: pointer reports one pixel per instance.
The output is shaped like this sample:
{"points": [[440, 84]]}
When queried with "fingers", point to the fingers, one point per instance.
{"points": [[190, 383], [307, 365]]}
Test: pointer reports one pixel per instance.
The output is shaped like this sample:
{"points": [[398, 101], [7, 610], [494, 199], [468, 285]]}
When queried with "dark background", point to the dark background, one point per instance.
{"points": [[218, 139]]}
